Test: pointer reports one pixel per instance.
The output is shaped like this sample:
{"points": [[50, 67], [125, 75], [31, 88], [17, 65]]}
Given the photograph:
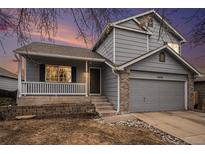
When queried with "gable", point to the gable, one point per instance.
{"points": [[129, 45], [131, 24], [106, 47], [152, 64], [160, 35]]}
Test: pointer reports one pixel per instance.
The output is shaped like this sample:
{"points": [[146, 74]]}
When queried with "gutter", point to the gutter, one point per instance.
{"points": [[62, 56]]}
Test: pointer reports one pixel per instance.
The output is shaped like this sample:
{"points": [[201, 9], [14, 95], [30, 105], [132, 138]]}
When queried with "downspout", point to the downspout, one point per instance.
{"points": [[118, 90]]}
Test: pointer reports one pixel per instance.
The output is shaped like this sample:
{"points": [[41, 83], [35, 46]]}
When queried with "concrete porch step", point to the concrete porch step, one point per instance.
{"points": [[101, 103], [103, 106], [98, 97], [99, 100], [107, 113]]}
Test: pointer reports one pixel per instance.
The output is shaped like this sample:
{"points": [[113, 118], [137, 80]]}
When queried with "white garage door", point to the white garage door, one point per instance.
{"points": [[155, 95]]}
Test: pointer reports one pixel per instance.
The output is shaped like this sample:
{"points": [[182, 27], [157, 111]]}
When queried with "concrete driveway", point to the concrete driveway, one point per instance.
{"points": [[187, 125]]}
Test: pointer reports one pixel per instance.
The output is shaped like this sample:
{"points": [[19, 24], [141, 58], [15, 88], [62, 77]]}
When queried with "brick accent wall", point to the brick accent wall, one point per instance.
{"points": [[124, 91], [190, 91], [55, 110]]}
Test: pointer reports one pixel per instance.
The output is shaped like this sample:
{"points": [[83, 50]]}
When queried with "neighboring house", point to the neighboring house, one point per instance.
{"points": [[8, 80], [129, 64], [199, 86]]}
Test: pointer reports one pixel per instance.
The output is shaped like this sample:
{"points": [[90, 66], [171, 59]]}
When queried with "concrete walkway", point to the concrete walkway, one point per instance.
{"points": [[187, 125]]}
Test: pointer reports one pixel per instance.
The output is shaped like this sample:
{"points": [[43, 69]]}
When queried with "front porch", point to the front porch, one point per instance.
{"points": [[58, 75], [48, 76], [49, 88]]}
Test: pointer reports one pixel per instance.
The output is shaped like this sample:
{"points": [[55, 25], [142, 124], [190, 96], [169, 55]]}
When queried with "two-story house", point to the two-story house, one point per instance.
{"points": [[135, 65]]}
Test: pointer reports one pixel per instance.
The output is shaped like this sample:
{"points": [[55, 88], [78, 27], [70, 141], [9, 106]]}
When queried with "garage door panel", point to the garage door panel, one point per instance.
{"points": [[155, 95]]}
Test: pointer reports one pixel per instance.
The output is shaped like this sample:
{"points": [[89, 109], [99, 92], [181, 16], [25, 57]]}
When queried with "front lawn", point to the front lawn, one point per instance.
{"points": [[72, 131]]}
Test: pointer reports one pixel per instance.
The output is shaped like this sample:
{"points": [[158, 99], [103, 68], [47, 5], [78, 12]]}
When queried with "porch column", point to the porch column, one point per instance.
{"points": [[86, 78], [19, 75]]}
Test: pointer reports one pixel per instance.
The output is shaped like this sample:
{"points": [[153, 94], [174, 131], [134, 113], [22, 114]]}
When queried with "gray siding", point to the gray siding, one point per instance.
{"points": [[106, 48], [200, 87], [166, 36], [130, 24], [8, 84], [109, 85], [32, 71], [129, 45], [152, 64]]}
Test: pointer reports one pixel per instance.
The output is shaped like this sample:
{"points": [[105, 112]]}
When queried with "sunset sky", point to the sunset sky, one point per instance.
{"points": [[67, 35]]}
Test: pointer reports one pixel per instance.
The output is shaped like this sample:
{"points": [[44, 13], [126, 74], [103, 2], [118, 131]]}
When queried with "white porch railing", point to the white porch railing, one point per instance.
{"points": [[49, 88]]}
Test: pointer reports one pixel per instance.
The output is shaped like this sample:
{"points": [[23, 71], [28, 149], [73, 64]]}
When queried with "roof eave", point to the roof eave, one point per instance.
{"points": [[5, 76], [199, 74], [101, 36], [59, 56], [183, 40]]}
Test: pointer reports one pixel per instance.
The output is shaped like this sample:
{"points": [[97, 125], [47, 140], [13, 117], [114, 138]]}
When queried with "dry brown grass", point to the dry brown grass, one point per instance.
{"points": [[72, 131]]}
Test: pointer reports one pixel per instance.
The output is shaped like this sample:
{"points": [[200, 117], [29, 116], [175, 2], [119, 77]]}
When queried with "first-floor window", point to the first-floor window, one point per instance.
{"points": [[56, 73]]}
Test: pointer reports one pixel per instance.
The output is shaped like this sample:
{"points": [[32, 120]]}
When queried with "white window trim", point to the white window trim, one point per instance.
{"points": [[58, 74]]}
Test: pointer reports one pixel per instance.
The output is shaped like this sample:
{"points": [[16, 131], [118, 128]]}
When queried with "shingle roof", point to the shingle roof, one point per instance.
{"points": [[6, 73], [39, 48], [110, 26]]}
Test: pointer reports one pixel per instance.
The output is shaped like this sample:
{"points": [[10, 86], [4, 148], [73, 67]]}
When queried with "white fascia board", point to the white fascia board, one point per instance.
{"points": [[140, 58], [144, 27], [130, 29], [148, 12], [172, 28], [110, 65], [186, 63], [132, 17], [61, 56], [101, 35], [114, 54], [155, 51]]}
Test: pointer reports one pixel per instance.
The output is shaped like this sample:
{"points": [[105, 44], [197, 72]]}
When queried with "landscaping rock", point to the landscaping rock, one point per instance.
{"points": [[163, 135]]}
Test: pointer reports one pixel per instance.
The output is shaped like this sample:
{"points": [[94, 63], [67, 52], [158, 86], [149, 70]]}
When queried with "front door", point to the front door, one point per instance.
{"points": [[95, 79]]}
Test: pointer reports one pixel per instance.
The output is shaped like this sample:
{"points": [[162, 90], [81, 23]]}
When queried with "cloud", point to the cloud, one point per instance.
{"points": [[68, 35]]}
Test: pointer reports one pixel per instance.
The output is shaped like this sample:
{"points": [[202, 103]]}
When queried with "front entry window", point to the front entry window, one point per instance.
{"points": [[56, 73]]}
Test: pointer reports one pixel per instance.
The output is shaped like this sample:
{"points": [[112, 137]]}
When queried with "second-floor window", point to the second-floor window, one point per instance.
{"points": [[150, 22], [174, 46], [162, 57]]}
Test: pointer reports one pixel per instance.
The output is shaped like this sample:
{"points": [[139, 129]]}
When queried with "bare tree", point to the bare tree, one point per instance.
{"points": [[21, 22], [89, 22], [196, 35]]}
